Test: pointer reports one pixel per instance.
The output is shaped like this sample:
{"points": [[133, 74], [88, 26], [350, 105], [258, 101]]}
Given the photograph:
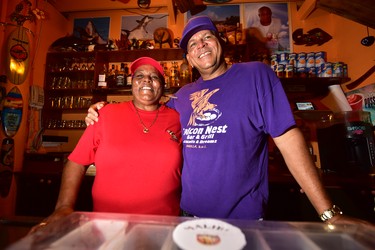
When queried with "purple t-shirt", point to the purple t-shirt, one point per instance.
{"points": [[225, 127]]}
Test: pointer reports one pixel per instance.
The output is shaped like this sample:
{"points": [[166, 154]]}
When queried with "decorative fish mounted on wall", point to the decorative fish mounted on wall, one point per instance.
{"points": [[315, 36]]}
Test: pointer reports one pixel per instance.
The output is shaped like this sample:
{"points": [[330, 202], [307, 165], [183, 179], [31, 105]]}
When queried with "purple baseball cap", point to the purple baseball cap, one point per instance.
{"points": [[194, 25]]}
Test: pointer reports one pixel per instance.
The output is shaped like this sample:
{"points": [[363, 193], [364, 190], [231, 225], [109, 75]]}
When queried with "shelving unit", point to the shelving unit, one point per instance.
{"points": [[71, 81]]}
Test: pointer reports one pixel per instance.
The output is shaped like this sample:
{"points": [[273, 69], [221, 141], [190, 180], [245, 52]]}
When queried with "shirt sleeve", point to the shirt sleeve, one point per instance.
{"points": [[170, 103], [84, 151], [277, 114]]}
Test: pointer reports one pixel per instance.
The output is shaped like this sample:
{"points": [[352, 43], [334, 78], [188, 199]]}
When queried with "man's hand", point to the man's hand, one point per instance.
{"points": [[343, 219], [92, 113]]}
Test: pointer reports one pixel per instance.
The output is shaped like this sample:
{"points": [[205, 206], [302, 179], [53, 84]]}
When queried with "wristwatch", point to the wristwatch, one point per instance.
{"points": [[329, 213]]}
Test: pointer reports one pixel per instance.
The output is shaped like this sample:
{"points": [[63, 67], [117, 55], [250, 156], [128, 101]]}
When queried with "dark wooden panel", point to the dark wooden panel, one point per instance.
{"points": [[362, 11]]}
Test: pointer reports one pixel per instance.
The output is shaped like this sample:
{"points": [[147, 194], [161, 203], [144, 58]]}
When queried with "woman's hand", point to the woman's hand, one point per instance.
{"points": [[92, 113], [56, 215]]}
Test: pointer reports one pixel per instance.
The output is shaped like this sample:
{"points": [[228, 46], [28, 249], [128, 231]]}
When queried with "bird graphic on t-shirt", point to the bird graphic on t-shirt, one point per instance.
{"points": [[200, 104]]}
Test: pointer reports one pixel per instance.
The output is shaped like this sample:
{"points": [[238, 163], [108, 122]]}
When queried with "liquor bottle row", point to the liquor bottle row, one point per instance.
{"points": [[69, 102], [72, 64], [58, 124], [118, 75], [66, 82], [177, 75]]}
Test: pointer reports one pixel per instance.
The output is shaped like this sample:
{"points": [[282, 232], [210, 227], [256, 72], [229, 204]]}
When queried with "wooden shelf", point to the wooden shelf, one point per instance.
{"points": [[325, 81], [69, 92], [300, 86], [71, 72], [131, 55], [69, 110], [307, 88]]}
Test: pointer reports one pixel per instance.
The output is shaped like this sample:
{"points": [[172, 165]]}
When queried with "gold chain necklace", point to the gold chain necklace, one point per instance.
{"points": [[145, 128]]}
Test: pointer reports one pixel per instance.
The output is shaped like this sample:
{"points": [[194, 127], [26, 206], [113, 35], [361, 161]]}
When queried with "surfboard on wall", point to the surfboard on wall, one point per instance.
{"points": [[11, 115], [18, 55]]}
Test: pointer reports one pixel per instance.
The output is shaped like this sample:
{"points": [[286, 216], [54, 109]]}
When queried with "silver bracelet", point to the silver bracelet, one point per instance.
{"points": [[329, 213]]}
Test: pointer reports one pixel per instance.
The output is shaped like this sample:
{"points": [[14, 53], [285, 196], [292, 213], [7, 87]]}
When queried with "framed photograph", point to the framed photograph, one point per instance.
{"points": [[142, 27], [219, 12], [95, 30], [225, 17], [268, 25]]}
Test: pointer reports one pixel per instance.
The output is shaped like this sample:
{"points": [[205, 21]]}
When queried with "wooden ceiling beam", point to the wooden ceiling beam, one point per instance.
{"points": [[362, 12], [306, 9]]}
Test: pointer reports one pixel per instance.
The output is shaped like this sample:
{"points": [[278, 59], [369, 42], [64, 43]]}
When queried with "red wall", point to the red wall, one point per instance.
{"points": [[45, 32]]}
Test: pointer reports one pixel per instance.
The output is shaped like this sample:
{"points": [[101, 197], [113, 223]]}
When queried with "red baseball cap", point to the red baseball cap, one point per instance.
{"points": [[146, 60]]}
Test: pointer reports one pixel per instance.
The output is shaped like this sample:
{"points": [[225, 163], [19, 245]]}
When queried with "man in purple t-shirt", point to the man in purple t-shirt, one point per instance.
{"points": [[225, 126]]}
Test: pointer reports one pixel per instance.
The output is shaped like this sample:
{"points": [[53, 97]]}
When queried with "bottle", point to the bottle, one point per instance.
{"points": [[238, 35], [174, 75], [111, 77], [128, 75], [166, 75], [120, 76], [102, 83], [185, 75]]}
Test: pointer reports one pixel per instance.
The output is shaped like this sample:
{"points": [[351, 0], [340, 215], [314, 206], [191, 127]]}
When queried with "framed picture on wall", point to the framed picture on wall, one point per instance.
{"points": [[142, 28], [225, 17], [268, 26], [95, 30]]}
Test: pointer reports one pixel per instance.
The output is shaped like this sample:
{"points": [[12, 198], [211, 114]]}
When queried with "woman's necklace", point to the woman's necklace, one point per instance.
{"points": [[145, 128]]}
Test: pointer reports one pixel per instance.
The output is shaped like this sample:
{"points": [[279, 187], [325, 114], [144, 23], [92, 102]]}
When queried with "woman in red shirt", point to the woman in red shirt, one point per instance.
{"points": [[136, 149]]}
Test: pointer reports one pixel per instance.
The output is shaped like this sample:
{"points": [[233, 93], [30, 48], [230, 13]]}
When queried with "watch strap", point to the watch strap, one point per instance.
{"points": [[330, 213]]}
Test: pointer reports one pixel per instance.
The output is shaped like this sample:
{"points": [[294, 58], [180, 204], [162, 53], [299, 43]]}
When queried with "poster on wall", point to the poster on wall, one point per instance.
{"points": [[95, 30], [141, 28], [268, 27], [363, 99], [225, 17]]}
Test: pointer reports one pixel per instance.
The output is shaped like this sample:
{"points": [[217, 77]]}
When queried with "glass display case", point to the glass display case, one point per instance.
{"points": [[85, 230]]}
